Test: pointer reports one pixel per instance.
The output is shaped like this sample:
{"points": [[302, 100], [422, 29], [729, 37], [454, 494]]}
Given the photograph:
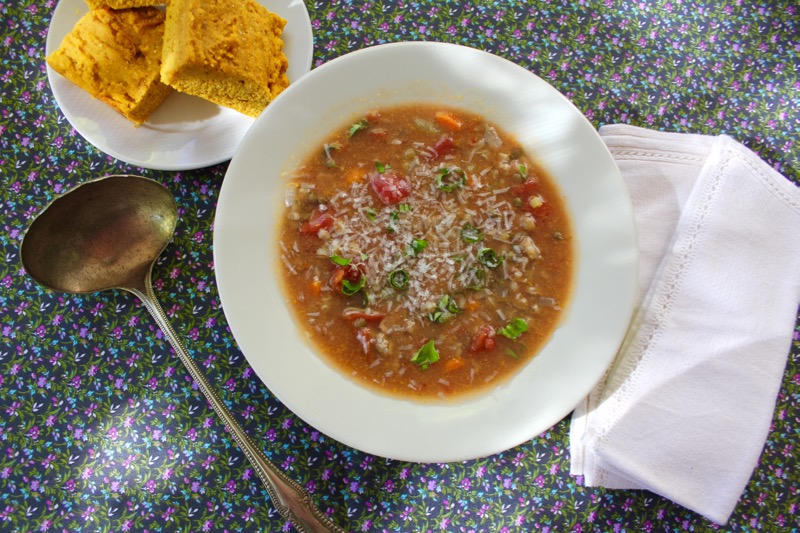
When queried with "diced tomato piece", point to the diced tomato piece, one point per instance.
{"points": [[444, 146], [317, 221], [483, 341], [353, 313], [390, 186], [352, 273], [526, 189], [364, 337]]}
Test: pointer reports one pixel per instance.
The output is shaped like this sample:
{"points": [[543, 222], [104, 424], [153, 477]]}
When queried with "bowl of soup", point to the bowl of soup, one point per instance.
{"points": [[426, 252]]}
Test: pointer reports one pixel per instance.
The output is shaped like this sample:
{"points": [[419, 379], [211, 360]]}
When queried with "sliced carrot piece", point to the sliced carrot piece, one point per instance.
{"points": [[449, 121], [355, 175], [453, 364]]}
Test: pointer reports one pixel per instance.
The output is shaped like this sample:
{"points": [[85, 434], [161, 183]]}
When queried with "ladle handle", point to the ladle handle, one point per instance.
{"points": [[291, 500]]}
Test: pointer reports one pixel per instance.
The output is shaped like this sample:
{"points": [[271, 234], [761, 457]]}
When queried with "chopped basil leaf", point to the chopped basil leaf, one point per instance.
{"points": [[470, 233], [341, 261], [489, 258], [449, 179], [512, 354], [417, 245], [448, 303], [399, 280], [405, 208], [370, 213], [476, 279], [349, 288], [358, 126], [523, 170], [514, 329], [445, 309], [380, 167], [426, 356]]}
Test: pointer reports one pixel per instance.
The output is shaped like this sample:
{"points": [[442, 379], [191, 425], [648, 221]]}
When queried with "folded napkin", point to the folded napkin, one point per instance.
{"points": [[685, 409]]}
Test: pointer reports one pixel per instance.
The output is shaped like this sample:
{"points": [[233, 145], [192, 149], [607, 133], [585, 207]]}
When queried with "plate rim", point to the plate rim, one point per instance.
{"points": [[222, 269], [303, 50]]}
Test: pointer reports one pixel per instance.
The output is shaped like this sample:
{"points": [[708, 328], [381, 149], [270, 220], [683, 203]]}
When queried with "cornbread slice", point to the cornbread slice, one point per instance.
{"points": [[115, 55], [227, 51], [124, 4]]}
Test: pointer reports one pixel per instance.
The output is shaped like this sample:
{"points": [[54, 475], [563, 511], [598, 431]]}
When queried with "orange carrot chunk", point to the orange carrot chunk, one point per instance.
{"points": [[449, 121]]}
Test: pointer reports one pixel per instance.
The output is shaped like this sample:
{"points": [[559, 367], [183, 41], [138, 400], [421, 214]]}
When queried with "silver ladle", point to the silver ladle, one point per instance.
{"points": [[107, 234]]}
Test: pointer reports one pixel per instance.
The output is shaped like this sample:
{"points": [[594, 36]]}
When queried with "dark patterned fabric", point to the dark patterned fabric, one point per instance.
{"points": [[101, 429]]}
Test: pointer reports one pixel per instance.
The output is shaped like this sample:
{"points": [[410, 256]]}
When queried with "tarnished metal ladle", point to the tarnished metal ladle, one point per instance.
{"points": [[107, 234]]}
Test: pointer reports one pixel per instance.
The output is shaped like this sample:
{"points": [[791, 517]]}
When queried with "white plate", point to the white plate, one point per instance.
{"points": [[186, 132], [547, 125]]}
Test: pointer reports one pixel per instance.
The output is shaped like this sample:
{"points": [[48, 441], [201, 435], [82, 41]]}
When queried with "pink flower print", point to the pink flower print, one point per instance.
{"points": [[230, 486]]}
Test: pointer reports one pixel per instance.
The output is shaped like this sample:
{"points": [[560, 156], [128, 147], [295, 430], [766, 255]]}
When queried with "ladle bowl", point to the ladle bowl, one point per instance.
{"points": [[107, 234]]}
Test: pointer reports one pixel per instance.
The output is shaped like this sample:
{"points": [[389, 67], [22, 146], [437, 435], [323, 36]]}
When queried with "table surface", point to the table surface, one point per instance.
{"points": [[103, 430]]}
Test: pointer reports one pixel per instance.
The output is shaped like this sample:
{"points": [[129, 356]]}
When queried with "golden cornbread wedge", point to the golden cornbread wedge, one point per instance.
{"points": [[115, 55], [227, 51], [124, 4]]}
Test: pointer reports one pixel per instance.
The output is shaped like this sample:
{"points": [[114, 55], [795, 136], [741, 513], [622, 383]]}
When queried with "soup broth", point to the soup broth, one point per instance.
{"points": [[424, 252]]}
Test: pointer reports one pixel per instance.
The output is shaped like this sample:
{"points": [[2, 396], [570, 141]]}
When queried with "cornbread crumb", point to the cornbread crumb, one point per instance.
{"points": [[124, 4], [228, 52], [115, 55]]}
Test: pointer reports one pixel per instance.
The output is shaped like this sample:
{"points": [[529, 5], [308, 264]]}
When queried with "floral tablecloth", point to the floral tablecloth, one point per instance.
{"points": [[101, 429]]}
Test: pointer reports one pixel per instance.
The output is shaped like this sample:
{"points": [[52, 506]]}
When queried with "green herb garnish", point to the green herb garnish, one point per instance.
{"points": [[380, 167], [370, 213], [514, 329], [399, 280], [341, 261], [449, 179], [426, 356], [358, 126], [470, 234], [445, 309], [477, 279], [489, 258], [349, 288], [417, 245]]}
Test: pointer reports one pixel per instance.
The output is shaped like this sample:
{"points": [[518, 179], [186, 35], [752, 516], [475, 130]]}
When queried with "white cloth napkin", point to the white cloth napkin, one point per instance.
{"points": [[686, 407]]}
